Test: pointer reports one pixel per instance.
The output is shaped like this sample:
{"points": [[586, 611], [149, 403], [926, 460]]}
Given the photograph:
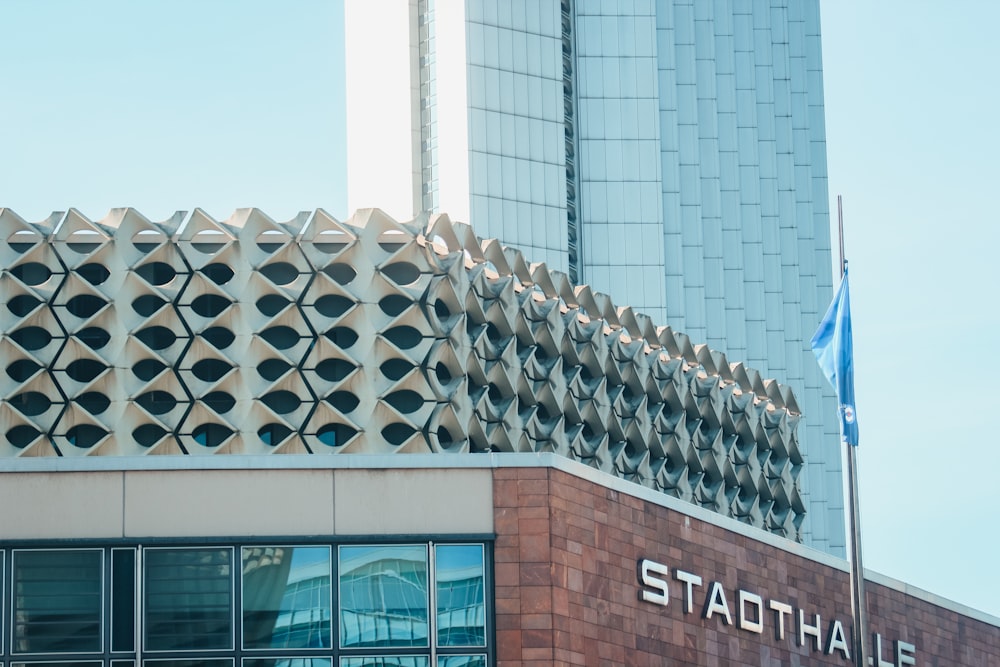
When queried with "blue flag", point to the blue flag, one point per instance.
{"points": [[834, 349]]}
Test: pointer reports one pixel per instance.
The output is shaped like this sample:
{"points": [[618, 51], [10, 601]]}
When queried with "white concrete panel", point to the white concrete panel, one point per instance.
{"points": [[383, 163], [68, 505], [244, 503], [403, 502], [452, 110]]}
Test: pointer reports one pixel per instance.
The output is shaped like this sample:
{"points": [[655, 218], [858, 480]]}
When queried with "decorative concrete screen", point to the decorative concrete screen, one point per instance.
{"points": [[126, 337]]}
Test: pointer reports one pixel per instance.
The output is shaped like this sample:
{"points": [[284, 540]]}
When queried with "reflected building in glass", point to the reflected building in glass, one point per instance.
{"points": [[669, 153]]}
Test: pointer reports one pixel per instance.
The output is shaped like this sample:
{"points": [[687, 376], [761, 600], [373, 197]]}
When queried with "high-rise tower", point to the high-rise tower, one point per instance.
{"points": [[671, 153]]}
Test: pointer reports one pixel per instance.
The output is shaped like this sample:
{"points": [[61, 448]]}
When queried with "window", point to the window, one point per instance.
{"points": [[292, 604]]}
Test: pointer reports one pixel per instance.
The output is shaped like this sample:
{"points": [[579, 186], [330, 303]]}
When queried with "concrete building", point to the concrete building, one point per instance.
{"points": [[669, 153], [375, 443]]}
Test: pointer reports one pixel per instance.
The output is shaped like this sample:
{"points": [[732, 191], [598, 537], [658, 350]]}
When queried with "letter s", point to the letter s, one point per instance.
{"points": [[647, 570]]}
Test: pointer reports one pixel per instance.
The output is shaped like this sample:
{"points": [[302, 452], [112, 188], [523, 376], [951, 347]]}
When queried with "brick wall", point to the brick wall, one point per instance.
{"points": [[567, 589]]}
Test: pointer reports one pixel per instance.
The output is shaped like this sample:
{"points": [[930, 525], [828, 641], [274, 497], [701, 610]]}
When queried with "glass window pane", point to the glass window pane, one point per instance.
{"points": [[461, 661], [387, 661], [123, 600], [188, 599], [288, 662], [286, 597], [461, 606], [57, 601], [196, 662], [383, 596], [75, 663]]}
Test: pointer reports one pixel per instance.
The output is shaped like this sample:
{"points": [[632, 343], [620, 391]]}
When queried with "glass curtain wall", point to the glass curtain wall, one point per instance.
{"points": [[420, 604]]}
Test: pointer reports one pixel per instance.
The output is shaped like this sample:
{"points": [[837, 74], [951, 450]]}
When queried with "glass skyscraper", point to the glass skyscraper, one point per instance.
{"points": [[670, 153]]}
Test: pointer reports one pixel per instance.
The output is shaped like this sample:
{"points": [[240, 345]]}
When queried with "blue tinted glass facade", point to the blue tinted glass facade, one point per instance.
{"points": [[690, 151]]}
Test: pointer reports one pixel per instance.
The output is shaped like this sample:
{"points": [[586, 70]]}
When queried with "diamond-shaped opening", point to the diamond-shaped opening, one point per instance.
{"points": [[334, 435], [394, 304], [331, 241], [209, 241], [23, 240], [147, 304], [404, 337], [397, 433], [157, 402], [84, 241], [392, 240], [210, 370], [148, 435], [342, 337], [85, 435], [31, 273], [281, 402], [343, 401], [405, 401], [272, 369], [93, 337], [31, 403], [31, 338], [281, 337], [219, 401], [341, 273], [443, 375], [147, 240], [147, 369], [85, 305], [445, 439], [442, 310], [332, 305], [220, 274], [280, 273], [23, 304], [219, 337], [22, 436], [211, 434], [272, 304], [22, 369], [402, 273], [395, 369], [93, 402], [156, 273], [93, 273], [271, 240], [156, 337], [85, 370], [334, 370], [273, 434], [210, 305]]}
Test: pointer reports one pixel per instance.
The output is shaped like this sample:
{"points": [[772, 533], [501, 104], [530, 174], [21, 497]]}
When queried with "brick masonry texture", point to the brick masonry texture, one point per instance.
{"points": [[567, 588]]}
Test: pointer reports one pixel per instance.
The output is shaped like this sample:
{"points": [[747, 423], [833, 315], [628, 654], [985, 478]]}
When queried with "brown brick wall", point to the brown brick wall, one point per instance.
{"points": [[567, 590]]}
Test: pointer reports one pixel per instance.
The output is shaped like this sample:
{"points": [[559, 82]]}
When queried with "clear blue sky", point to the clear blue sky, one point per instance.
{"points": [[181, 103]]}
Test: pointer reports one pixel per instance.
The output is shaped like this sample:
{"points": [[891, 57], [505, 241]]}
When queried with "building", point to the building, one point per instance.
{"points": [[670, 154], [382, 444]]}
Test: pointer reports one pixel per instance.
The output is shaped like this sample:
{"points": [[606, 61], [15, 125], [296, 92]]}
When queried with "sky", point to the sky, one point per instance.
{"points": [[168, 105]]}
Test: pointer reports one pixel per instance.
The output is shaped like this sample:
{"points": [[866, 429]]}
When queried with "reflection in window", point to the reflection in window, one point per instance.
{"points": [[387, 661], [288, 662], [461, 595], [188, 599], [57, 601], [383, 596], [461, 661], [197, 662], [286, 597]]}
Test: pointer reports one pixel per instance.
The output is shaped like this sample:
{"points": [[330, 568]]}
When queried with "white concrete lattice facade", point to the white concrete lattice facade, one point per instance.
{"points": [[125, 337]]}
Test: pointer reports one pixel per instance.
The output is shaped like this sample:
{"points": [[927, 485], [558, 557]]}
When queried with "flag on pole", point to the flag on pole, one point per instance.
{"points": [[834, 349]]}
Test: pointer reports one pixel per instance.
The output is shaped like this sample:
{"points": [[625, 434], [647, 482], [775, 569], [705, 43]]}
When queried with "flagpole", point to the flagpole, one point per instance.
{"points": [[859, 608]]}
